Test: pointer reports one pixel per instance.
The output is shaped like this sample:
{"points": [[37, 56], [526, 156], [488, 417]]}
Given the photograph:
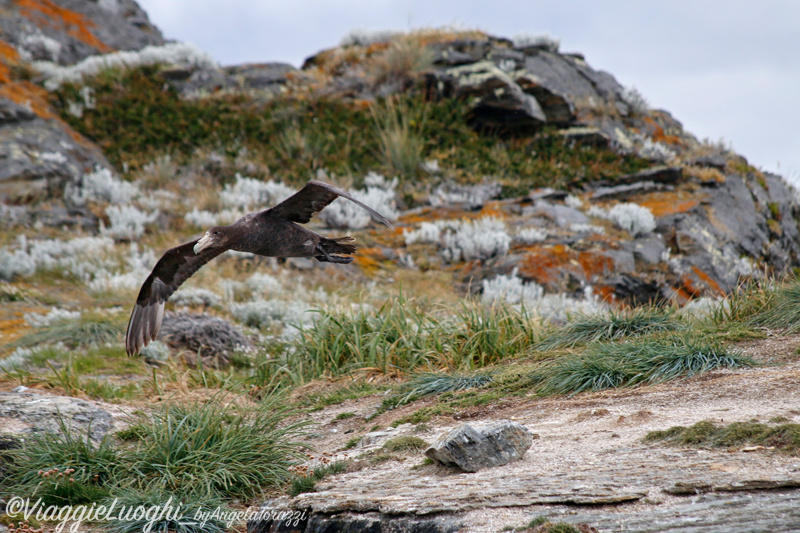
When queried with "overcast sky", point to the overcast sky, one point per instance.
{"points": [[727, 69]]}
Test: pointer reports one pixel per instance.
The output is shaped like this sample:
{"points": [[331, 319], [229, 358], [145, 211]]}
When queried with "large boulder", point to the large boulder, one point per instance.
{"points": [[472, 449]]}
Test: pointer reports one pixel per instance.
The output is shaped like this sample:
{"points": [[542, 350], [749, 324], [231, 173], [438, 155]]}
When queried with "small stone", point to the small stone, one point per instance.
{"points": [[472, 449]]}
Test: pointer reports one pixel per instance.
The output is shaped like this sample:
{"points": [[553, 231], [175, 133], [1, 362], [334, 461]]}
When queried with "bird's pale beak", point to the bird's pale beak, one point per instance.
{"points": [[203, 243]]}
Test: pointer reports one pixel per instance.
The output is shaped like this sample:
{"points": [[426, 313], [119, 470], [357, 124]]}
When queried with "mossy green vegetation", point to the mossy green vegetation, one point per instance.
{"points": [[294, 136], [784, 437], [405, 443]]}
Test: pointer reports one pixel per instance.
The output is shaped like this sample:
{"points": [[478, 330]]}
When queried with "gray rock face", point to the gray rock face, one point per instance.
{"points": [[26, 412], [356, 523], [472, 449], [74, 29], [495, 98], [40, 157]]}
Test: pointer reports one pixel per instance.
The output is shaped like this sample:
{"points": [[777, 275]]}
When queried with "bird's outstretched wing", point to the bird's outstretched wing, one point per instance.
{"points": [[312, 199], [175, 266]]}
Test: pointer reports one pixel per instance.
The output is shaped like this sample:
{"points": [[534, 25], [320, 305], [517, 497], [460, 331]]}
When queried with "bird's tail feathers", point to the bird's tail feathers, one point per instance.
{"points": [[339, 246]]}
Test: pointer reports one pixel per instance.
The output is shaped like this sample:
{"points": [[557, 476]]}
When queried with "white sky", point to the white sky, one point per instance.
{"points": [[727, 69]]}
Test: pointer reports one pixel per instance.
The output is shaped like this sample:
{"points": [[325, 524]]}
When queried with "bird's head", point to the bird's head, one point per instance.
{"points": [[213, 238]]}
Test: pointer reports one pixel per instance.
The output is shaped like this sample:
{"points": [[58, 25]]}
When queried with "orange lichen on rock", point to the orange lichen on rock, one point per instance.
{"points": [[707, 280], [369, 259], [29, 95], [659, 135], [550, 264], [669, 203], [8, 56], [77, 26]]}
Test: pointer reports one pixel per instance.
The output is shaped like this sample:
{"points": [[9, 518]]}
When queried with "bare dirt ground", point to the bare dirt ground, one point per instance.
{"points": [[589, 450]]}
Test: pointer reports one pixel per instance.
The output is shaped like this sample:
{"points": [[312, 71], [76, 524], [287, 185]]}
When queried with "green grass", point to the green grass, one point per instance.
{"points": [[434, 383], [648, 360], [212, 450], [403, 337], [779, 308], [90, 329], [784, 437], [405, 443], [584, 329], [64, 468], [307, 483], [215, 450]]}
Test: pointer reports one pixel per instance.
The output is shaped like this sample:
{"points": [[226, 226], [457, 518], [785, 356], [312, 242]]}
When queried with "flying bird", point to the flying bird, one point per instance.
{"points": [[273, 232]]}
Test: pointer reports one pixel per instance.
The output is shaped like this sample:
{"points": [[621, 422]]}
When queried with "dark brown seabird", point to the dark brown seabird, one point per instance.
{"points": [[272, 232]]}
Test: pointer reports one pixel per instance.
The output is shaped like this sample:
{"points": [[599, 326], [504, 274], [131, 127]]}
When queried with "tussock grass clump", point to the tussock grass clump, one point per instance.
{"points": [[402, 337], [613, 325], [401, 61], [649, 360], [431, 383], [197, 452], [216, 450], [65, 467], [83, 331], [779, 309], [784, 437], [400, 141]]}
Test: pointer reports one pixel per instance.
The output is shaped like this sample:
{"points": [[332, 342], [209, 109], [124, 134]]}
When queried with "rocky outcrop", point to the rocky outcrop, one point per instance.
{"points": [[472, 449], [71, 30], [40, 153], [29, 412]]}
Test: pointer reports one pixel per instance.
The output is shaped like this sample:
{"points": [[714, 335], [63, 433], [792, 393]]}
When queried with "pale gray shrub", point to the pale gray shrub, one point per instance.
{"points": [[127, 222], [344, 214], [268, 313], [201, 219], [635, 100], [80, 257], [194, 297], [531, 235], [56, 314], [428, 232], [365, 37], [247, 193], [127, 277], [182, 54], [633, 218], [471, 195], [156, 351], [542, 40], [12, 215], [475, 239], [555, 307], [263, 283], [510, 289], [100, 186], [656, 151], [573, 201]]}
